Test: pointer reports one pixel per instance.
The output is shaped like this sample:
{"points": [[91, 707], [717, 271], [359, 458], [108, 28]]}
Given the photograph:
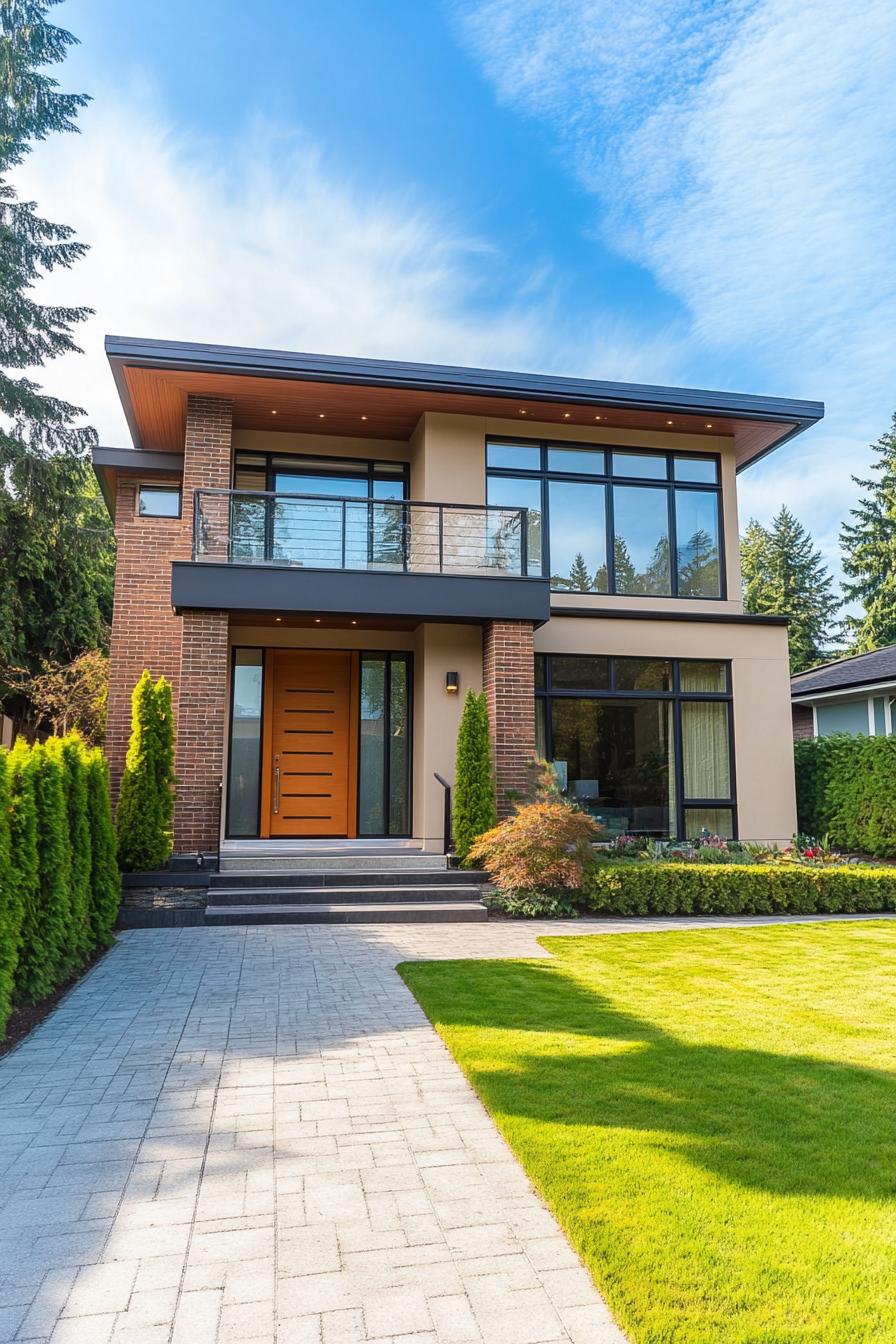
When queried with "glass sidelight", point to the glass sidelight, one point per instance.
{"points": [[384, 745], [244, 765]]}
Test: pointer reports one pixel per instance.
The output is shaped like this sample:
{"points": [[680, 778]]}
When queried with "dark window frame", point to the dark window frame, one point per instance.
{"points": [[328, 467], [676, 696], [610, 478], [388, 656], [157, 488], [234, 649]]}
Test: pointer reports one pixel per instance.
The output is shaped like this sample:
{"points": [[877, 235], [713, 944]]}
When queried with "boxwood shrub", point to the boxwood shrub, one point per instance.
{"points": [[846, 789], [645, 888]]}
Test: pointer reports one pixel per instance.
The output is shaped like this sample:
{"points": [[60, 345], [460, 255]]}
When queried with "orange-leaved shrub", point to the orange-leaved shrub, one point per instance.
{"points": [[544, 848]]}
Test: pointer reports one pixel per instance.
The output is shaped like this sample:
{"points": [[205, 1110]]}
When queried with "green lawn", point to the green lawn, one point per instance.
{"points": [[711, 1115]]}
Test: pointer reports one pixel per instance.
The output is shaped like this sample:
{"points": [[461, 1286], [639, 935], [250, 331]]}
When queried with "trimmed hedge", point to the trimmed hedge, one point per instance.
{"points": [[846, 788], [645, 888], [59, 881]]}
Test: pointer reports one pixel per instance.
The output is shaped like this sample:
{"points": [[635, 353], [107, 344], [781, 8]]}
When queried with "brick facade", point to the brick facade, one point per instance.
{"points": [[803, 726], [147, 633], [508, 679]]}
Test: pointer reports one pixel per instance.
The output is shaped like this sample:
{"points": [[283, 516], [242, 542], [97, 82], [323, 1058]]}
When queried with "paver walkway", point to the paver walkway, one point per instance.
{"points": [[242, 1136]]}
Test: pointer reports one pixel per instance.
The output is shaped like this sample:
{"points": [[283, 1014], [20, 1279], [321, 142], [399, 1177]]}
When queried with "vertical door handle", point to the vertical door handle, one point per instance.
{"points": [[276, 787]]}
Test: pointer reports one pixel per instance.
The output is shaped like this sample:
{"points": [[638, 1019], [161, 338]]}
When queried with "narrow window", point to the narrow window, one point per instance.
{"points": [[159, 501], [244, 763]]}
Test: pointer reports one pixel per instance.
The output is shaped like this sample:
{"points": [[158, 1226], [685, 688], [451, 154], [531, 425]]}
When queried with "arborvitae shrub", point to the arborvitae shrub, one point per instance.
{"points": [[474, 810], [10, 904], [44, 959], [146, 802], [105, 879], [71, 754], [23, 848]]}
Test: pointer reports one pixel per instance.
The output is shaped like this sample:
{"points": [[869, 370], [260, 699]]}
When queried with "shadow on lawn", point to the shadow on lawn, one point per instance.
{"points": [[787, 1124]]}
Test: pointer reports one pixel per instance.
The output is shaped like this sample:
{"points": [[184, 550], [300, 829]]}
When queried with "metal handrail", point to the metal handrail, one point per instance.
{"points": [[446, 822], [397, 534]]}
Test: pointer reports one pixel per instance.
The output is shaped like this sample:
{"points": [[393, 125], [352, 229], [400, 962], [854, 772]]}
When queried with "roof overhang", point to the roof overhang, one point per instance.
{"points": [[856, 691], [384, 399], [108, 462]]}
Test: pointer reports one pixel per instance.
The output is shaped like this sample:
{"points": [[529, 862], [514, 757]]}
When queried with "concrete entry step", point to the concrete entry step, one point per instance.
{"points": [[355, 862], [429, 912]]}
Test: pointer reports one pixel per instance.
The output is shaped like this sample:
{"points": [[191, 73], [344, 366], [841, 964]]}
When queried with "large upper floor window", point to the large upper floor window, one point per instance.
{"points": [[614, 520]]}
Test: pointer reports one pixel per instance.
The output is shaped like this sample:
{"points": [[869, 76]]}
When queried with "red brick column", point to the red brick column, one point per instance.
{"points": [[508, 679], [201, 727], [803, 722], [145, 630]]}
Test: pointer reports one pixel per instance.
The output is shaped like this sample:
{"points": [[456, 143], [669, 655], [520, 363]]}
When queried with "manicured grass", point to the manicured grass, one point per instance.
{"points": [[711, 1115]]}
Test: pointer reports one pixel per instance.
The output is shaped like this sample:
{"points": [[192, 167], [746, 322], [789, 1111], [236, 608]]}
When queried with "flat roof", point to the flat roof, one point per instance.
{"points": [[154, 377]]}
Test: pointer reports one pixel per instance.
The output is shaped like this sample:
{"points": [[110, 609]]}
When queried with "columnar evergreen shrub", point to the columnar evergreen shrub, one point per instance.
{"points": [[71, 754], [474, 811], [10, 905], [23, 851], [146, 802], [846, 788], [105, 879], [45, 960]]}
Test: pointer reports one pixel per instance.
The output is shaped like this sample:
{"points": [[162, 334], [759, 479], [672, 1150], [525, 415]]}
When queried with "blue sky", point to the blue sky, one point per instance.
{"points": [[665, 191]]}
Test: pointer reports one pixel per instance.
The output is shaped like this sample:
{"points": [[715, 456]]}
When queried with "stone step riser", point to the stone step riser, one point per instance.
{"points": [[342, 895], [443, 877], [457, 913]]}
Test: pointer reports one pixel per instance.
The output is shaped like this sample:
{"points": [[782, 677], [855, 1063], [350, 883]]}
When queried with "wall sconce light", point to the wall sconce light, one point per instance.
{"points": [[452, 683]]}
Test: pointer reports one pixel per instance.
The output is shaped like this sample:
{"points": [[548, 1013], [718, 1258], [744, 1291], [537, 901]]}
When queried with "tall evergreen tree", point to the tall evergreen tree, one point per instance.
{"points": [[784, 574], [54, 536], [869, 551], [474, 810]]}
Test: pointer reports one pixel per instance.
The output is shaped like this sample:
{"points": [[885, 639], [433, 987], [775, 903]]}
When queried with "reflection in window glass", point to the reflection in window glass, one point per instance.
{"points": [[643, 674], [578, 537], [540, 669], [697, 534], [371, 753], [704, 470], [399, 749], [513, 492], [648, 465], [710, 678], [715, 820], [159, 501], [516, 456], [582, 461], [244, 761], [616, 760], [580, 672], [641, 547], [704, 743]]}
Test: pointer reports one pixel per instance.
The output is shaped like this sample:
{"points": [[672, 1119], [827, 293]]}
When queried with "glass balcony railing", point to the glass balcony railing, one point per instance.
{"points": [[247, 527]]}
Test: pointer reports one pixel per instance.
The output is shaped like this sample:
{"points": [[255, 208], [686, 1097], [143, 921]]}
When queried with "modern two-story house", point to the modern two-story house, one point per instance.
{"points": [[324, 554]]}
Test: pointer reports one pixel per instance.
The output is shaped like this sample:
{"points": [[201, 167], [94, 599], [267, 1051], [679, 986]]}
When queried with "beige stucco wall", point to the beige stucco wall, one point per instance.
{"points": [[763, 745], [320, 445]]}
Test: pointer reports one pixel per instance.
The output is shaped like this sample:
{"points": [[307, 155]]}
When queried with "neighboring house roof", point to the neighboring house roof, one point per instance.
{"points": [[385, 398], [847, 674]]}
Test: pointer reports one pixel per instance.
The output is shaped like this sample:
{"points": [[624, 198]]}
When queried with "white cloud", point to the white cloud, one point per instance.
{"points": [[743, 152], [271, 248]]}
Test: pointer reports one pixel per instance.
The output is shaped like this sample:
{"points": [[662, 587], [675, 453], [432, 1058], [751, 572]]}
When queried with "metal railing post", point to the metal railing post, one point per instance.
{"points": [[446, 820]]}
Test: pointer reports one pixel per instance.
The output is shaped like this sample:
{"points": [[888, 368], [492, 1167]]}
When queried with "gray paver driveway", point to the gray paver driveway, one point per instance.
{"points": [[253, 1135]]}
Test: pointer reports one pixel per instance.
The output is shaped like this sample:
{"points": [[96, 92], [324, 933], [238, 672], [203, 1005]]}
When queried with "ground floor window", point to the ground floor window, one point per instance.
{"points": [[643, 744], [244, 772], [384, 770]]}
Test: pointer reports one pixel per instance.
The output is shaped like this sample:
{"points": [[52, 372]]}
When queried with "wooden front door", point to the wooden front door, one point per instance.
{"points": [[311, 740]]}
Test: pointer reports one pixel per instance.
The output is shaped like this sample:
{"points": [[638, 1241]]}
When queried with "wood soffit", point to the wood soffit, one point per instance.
{"points": [[158, 400]]}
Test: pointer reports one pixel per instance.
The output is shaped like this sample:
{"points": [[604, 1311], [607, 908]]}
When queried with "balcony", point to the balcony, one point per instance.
{"points": [[260, 551]]}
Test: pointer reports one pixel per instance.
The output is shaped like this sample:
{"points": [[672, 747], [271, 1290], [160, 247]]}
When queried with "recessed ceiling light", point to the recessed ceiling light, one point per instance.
{"points": [[273, 412], [597, 417], [317, 620], [321, 416], [709, 426], [354, 622], [522, 412], [566, 415], [668, 422], [278, 618], [363, 417]]}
